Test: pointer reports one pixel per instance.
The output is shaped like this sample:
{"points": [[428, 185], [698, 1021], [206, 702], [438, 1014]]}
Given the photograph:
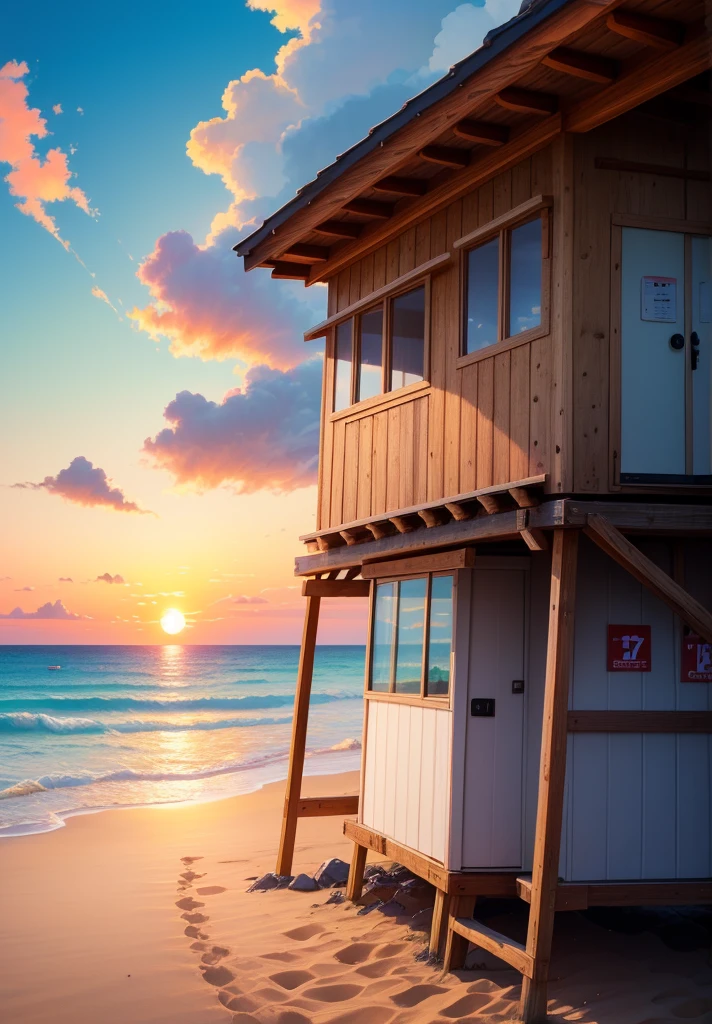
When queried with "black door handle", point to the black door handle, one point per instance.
{"points": [[695, 350], [677, 341]]}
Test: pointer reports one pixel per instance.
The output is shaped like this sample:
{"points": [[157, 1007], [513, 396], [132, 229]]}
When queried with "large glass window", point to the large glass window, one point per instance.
{"points": [[363, 347], [408, 338], [412, 637], [482, 310], [370, 377], [437, 679], [504, 286], [344, 359]]}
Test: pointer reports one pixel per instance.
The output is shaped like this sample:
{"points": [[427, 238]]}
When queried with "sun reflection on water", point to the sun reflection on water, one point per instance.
{"points": [[172, 664]]}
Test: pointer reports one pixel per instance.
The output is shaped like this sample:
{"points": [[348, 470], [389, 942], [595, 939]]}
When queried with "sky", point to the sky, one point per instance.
{"points": [[158, 408]]}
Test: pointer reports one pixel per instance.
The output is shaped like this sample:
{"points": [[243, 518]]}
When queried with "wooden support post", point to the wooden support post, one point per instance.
{"points": [[552, 773], [456, 945], [438, 928], [354, 886], [299, 738]]}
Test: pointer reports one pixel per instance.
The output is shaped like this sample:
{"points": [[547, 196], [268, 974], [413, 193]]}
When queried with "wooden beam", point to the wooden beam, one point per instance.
{"points": [[491, 503], [483, 132], [512, 952], [571, 897], [327, 806], [529, 141], [458, 511], [620, 549], [445, 156], [634, 894], [301, 253], [493, 227], [411, 276], [524, 497], [369, 208], [335, 588], [434, 516], [535, 540], [662, 35], [698, 722], [299, 738], [378, 530], [284, 271], [339, 228], [605, 163], [641, 82], [328, 541], [524, 101], [354, 885], [552, 773], [401, 186], [588, 66], [461, 908], [439, 561], [438, 925], [634, 517], [405, 524]]}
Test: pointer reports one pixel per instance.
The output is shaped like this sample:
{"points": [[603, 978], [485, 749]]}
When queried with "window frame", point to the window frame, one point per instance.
{"points": [[502, 228], [421, 699], [386, 305]]}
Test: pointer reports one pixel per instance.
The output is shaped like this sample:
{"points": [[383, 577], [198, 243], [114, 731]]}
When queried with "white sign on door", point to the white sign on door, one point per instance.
{"points": [[658, 299]]}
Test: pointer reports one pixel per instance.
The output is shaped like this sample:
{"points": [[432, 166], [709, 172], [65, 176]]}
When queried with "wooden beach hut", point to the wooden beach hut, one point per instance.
{"points": [[516, 468]]}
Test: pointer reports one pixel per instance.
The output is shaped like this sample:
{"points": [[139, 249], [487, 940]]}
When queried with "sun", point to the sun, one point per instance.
{"points": [[173, 621]]}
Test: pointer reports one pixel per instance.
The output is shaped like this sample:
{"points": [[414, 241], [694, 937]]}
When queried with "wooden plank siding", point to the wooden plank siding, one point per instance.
{"points": [[476, 424]]}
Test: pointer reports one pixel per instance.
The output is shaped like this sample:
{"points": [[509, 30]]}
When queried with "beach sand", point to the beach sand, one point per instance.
{"points": [[142, 916]]}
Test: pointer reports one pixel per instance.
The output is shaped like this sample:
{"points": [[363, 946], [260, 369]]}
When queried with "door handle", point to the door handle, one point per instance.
{"points": [[677, 341], [695, 350]]}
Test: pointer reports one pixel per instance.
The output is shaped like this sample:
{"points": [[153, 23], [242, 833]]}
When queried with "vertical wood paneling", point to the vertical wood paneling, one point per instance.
{"points": [[394, 458], [521, 182], [379, 462], [407, 455], [392, 260], [337, 479], [441, 784], [379, 267], [367, 272], [485, 421], [343, 289], [407, 251], [420, 461], [355, 283], [502, 394], [520, 413], [451, 468], [401, 781], [390, 741], [412, 796], [468, 427], [502, 193], [366, 812], [365, 457], [426, 771], [438, 331], [539, 417], [351, 471]]}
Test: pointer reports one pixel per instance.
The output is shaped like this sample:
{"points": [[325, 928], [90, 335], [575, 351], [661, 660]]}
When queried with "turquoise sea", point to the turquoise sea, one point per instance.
{"points": [[134, 726]]}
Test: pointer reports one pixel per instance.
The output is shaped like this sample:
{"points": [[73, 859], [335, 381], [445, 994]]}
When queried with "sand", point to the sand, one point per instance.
{"points": [[142, 916]]}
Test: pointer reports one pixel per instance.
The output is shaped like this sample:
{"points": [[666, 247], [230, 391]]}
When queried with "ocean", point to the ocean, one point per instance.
{"points": [[136, 726]]}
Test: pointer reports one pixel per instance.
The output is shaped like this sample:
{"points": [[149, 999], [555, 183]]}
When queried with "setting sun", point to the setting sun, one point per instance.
{"points": [[173, 621]]}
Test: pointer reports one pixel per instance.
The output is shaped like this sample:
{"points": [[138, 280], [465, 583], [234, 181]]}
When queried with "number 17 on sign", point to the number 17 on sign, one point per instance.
{"points": [[629, 649]]}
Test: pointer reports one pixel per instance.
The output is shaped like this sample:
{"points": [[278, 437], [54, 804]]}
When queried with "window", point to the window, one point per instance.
{"points": [[412, 637], [504, 286], [380, 350]]}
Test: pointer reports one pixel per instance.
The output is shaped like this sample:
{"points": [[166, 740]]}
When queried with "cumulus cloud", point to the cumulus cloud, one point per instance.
{"points": [[263, 436], [85, 484], [19, 590], [464, 29], [36, 181], [57, 109], [66, 579], [45, 611], [207, 307], [106, 577]]}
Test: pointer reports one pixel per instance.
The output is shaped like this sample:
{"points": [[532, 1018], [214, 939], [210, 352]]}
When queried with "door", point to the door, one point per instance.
{"points": [[665, 357], [492, 821]]}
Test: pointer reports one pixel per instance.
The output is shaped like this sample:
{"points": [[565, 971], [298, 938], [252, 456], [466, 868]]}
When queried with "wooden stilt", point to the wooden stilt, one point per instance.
{"points": [[354, 886], [438, 928], [547, 842], [456, 945], [299, 738]]}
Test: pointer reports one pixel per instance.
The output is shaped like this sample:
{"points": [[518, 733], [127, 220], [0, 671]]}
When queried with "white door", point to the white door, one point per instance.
{"points": [[665, 357], [492, 819]]}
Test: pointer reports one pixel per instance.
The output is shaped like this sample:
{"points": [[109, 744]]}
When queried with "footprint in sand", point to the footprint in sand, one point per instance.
{"points": [[356, 953], [416, 994], [484, 985], [378, 968], [190, 860], [291, 979], [214, 955], [218, 976], [210, 890], [188, 903], [691, 1008], [333, 993], [364, 1015], [195, 918], [190, 876], [306, 931], [468, 1004], [194, 933], [285, 958], [237, 1002]]}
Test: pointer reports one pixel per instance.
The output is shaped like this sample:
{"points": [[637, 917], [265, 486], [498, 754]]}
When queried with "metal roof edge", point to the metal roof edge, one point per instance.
{"points": [[495, 42]]}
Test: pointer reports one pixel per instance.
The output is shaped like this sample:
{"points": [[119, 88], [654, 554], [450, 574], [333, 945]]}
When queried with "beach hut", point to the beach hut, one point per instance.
{"points": [[516, 467]]}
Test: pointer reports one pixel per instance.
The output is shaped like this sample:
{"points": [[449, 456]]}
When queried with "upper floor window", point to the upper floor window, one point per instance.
{"points": [[380, 350], [503, 293], [412, 637]]}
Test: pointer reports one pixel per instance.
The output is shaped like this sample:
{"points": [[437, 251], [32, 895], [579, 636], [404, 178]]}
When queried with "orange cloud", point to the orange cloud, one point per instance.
{"points": [[34, 180], [85, 484]]}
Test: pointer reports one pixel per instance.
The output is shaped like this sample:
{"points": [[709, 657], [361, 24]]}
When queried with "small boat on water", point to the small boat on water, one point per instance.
{"points": [[54, 668]]}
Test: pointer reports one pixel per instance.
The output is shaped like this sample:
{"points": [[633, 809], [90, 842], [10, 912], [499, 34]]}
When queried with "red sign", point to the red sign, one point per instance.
{"points": [[629, 648], [696, 661]]}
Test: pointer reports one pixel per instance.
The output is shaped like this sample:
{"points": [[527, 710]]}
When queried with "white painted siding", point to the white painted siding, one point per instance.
{"points": [[406, 767], [638, 806]]}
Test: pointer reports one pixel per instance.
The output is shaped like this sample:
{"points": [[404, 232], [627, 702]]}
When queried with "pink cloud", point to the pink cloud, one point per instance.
{"points": [[85, 484], [35, 180], [57, 108], [265, 436], [46, 611], [106, 577], [205, 306], [99, 293]]}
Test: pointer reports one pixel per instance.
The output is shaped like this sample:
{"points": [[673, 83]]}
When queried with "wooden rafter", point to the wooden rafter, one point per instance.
{"points": [[482, 132], [401, 186], [663, 35], [445, 156], [620, 549], [369, 208], [588, 66], [282, 270], [524, 101], [301, 253], [339, 229]]}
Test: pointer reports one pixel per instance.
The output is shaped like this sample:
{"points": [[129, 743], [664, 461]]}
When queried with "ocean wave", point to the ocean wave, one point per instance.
{"points": [[251, 702], [24, 721]]}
